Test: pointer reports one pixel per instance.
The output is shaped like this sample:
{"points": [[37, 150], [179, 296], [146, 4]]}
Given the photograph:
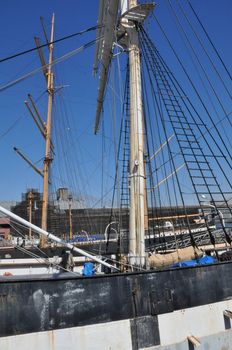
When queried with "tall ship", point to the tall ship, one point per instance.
{"points": [[162, 280]]}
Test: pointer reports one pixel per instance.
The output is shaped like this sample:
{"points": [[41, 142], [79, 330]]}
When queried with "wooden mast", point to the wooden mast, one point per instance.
{"points": [[137, 177], [48, 159], [132, 15]]}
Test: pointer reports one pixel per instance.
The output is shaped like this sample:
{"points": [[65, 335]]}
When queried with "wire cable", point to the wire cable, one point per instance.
{"points": [[207, 35], [47, 44], [56, 61]]}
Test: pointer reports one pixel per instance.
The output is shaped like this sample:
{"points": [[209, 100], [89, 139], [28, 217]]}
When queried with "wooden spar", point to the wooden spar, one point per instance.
{"points": [[54, 238], [47, 159], [28, 161], [37, 113], [176, 217], [39, 120], [41, 129], [45, 34], [42, 60]]}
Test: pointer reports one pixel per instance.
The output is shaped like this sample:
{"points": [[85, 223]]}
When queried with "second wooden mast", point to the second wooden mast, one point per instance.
{"points": [[48, 158]]}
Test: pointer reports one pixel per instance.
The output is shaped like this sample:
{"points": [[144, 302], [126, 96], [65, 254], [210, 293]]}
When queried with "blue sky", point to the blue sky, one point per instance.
{"points": [[18, 25]]}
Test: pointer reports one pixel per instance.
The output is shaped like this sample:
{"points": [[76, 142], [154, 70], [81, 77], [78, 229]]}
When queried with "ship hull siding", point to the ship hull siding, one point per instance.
{"points": [[40, 304], [112, 336], [144, 332]]}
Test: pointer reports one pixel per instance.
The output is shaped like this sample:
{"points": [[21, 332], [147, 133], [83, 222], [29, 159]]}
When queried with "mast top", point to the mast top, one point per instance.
{"points": [[138, 13], [111, 27]]}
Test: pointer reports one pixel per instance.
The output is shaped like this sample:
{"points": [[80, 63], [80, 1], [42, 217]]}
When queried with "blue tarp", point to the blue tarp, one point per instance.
{"points": [[203, 261], [207, 260], [88, 269]]}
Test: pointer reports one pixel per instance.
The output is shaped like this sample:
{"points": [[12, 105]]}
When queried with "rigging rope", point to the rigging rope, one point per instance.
{"points": [[204, 72], [183, 130], [207, 35], [198, 125], [197, 93], [204, 48], [157, 97], [56, 61], [49, 43]]}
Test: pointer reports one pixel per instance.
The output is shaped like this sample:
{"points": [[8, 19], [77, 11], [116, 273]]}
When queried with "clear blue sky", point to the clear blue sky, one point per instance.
{"points": [[18, 25]]}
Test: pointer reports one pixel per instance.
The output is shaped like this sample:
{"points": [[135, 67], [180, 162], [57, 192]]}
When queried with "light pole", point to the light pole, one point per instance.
{"points": [[70, 218], [30, 198]]}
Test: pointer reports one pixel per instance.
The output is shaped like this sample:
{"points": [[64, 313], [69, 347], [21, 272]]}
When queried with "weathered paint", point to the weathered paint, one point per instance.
{"points": [[219, 341], [110, 336], [198, 321], [39, 304]]}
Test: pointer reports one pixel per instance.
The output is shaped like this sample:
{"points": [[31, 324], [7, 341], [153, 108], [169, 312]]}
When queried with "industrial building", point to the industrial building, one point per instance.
{"points": [[63, 208]]}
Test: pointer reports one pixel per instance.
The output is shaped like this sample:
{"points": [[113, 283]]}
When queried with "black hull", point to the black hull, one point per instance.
{"points": [[42, 303]]}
